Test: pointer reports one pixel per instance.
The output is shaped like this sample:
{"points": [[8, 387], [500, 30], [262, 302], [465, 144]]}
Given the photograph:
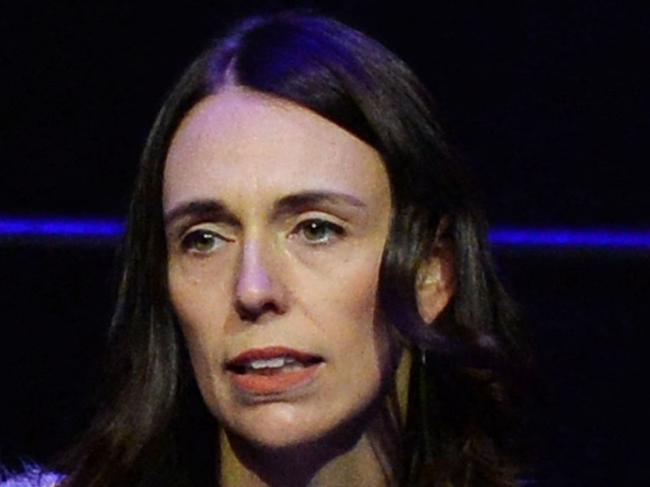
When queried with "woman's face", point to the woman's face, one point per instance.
{"points": [[276, 220]]}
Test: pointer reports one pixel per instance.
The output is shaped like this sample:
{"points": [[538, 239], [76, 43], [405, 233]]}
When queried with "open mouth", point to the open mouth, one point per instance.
{"points": [[272, 366], [272, 370]]}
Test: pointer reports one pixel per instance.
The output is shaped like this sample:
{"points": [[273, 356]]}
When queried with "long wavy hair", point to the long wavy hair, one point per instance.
{"points": [[461, 426]]}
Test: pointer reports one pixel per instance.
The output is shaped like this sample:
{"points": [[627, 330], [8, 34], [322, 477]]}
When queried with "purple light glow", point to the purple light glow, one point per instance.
{"points": [[63, 227], [69, 228]]}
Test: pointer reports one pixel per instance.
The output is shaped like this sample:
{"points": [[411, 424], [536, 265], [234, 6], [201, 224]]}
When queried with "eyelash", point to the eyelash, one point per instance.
{"points": [[190, 240], [334, 231]]}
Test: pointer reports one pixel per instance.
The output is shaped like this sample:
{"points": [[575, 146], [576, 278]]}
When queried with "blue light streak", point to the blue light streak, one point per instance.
{"points": [[34, 230], [71, 229], [570, 238]]}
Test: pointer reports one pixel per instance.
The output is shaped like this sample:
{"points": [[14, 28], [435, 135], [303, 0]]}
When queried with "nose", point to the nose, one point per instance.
{"points": [[259, 291]]}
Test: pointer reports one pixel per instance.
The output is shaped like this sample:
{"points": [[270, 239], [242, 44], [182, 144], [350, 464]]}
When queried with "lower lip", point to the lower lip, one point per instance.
{"points": [[277, 383]]}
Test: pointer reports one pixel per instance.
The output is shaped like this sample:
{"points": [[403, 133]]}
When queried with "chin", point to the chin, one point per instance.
{"points": [[272, 439], [280, 425]]}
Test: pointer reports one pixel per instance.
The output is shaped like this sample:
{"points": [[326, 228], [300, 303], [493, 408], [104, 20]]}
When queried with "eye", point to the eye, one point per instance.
{"points": [[201, 241], [316, 231]]}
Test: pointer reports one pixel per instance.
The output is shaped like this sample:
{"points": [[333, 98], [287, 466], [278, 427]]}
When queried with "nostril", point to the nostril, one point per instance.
{"points": [[252, 313]]}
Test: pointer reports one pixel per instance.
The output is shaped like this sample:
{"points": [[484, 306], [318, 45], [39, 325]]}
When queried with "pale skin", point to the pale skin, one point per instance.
{"points": [[276, 220]]}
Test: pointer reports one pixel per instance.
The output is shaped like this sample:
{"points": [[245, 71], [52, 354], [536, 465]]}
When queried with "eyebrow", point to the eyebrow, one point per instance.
{"points": [[203, 208], [293, 203], [308, 199]]}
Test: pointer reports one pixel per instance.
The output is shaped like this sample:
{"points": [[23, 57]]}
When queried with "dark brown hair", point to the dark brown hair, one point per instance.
{"points": [[152, 427]]}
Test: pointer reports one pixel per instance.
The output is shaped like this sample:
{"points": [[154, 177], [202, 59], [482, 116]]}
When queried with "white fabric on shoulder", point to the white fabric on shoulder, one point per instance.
{"points": [[33, 477]]}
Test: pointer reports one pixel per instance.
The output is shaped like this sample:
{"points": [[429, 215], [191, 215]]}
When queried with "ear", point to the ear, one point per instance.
{"points": [[435, 283]]}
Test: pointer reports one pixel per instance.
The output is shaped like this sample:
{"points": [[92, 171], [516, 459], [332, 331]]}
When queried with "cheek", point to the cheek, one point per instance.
{"points": [[369, 339], [351, 305], [359, 340], [197, 308]]}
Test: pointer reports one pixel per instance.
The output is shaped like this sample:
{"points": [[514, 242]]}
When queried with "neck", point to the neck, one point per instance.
{"points": [[365, 453]]}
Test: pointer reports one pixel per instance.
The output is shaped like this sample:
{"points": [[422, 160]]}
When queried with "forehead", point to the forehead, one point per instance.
{"points": [[238, 144]]}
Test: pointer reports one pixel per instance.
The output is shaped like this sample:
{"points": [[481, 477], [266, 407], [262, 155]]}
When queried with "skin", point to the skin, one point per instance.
{"points": [[254, 268]]}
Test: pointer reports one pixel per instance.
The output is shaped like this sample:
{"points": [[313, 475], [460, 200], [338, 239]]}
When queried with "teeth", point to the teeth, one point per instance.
{"points": [[273, 363]]}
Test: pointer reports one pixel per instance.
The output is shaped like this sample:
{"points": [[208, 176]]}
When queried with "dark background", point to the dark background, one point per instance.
{"points": [[547, 100]]}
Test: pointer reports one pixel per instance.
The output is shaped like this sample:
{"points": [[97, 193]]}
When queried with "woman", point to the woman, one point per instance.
{"points": [[307, 297]]}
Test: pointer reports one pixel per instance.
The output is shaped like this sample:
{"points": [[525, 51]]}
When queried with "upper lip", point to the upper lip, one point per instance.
{"points": [[267, 353]]}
